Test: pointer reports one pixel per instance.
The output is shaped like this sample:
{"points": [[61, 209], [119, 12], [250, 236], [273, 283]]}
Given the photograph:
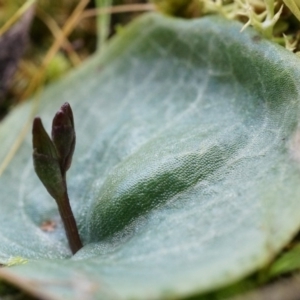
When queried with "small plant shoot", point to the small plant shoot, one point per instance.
{"points": [[187, 171], [52, 158]]}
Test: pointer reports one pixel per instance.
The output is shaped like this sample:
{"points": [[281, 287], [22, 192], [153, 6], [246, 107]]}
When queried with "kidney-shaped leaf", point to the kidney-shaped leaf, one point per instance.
{"points": [[186, 174]]}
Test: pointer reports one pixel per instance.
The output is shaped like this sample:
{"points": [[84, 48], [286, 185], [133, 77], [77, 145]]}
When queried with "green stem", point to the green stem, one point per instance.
{"points": [[103, 23], [69, 222]]}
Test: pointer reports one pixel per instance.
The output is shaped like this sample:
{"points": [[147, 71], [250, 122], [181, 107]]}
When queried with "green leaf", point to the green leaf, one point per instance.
{"points": [[288, 262], [185, 176]]}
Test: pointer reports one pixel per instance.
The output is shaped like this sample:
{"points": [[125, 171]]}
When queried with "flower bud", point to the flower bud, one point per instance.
{"points": [[41, 140], [63, 136], [52, 158], [46, 161]]}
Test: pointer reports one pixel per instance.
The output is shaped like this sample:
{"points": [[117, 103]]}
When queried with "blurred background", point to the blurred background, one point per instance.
{"points": [[40, 41]]}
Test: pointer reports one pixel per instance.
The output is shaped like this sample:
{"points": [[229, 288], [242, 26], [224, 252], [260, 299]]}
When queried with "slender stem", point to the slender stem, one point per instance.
{"points": [[69, 222]]}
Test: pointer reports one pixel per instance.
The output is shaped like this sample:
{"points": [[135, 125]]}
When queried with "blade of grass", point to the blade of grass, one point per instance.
{"points": [[291, 4], [103, 23], [18, 14]]}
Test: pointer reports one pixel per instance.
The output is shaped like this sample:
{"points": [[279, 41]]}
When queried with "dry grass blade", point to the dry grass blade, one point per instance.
{"points": [[57, 33], [66, 30], [127, 8], [18, 14]]}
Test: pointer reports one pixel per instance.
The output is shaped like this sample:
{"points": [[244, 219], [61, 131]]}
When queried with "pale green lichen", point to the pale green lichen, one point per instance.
{"points": [[260, 14], [290, 44], [263, 22], [227, 10], [264, 15]]}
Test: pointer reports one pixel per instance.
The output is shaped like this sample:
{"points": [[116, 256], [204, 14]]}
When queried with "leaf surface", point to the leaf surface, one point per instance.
{"points": [[186, 173]]}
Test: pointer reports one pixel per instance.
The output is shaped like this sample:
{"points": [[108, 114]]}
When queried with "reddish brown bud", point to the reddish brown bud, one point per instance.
{"points": [[63, 136]]}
